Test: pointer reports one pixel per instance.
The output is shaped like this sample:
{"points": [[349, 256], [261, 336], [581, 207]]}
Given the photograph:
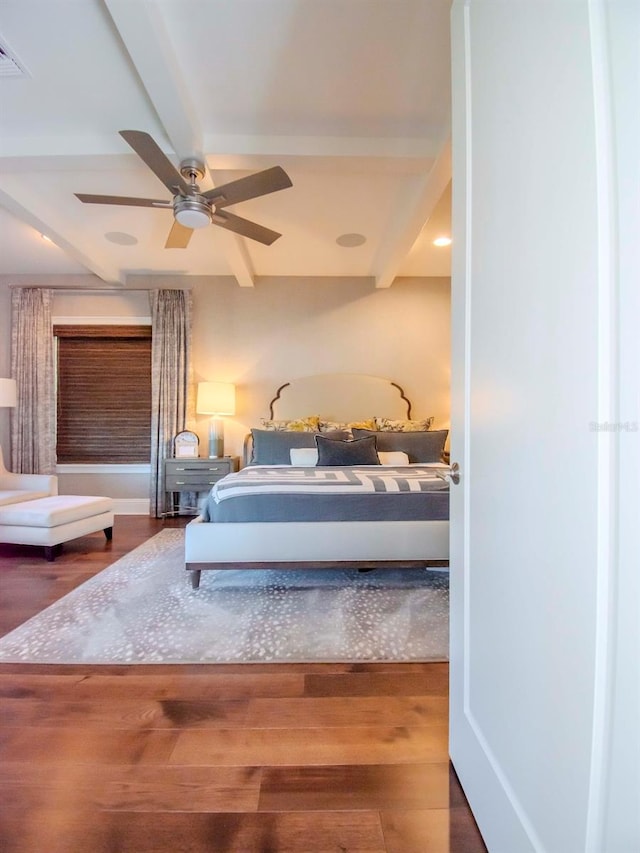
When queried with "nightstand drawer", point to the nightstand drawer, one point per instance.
{"points": [[186, 469], [196, 475], [188, 481]]}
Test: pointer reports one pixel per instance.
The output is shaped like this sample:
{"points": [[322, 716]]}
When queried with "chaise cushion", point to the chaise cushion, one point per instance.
{"points": [[15, 496], [54, 510]]}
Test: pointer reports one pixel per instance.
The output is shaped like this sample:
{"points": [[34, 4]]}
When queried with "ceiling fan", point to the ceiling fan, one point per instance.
{"points": [[191, 208]]}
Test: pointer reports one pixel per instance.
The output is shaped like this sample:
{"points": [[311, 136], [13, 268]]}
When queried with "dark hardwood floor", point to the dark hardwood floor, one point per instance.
{"points": [[225, 758]]}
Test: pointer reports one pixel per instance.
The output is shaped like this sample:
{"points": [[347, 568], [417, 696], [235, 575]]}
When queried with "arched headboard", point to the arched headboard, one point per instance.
{"points": [[340, 397]]}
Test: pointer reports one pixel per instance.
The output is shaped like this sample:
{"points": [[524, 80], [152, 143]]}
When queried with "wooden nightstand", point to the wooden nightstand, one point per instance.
{"points": [[197, 475]]}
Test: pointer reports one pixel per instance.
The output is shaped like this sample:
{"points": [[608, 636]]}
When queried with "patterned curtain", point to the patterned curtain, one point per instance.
{"points": [[171, 387], [33, 426]]}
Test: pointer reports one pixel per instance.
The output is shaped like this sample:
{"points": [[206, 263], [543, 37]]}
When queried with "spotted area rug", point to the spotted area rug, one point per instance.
{"points": [[142, 610]]}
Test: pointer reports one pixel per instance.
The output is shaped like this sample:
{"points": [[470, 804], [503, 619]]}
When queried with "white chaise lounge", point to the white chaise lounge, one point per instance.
{"points": [[33, 513]]}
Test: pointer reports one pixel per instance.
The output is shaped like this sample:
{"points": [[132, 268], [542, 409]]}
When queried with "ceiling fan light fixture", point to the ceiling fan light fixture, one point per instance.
{"points": [[192, 218], [192, 213]]}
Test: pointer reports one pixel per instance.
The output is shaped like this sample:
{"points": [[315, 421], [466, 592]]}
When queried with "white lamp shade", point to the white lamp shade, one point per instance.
{"points": [[193, 218], [8, 393], [216, 398]]}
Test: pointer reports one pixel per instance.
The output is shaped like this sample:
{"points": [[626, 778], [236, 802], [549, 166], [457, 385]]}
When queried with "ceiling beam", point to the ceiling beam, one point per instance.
{"points": [[241, 152], [33, 213], [237, 256], [142, 29], [403, 232]]}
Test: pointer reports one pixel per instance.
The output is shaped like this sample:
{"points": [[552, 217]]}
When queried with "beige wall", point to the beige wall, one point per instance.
{"points": [[281, 329]]}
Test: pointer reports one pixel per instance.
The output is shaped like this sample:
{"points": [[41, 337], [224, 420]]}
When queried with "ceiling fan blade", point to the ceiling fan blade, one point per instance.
{"points": [[148, 150], [179, 236], [244, 227], [121, 199], [262, 183]]}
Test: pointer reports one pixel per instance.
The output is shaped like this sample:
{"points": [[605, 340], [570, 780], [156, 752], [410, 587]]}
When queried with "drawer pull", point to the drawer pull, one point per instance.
{"points": [[199, 470], [193, 482]]}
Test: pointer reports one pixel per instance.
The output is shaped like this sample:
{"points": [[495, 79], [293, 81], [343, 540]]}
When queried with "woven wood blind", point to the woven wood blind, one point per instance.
{"points": [[103, 393]]}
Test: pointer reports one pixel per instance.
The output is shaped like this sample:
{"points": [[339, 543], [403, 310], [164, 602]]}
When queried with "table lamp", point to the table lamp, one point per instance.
{"points": [[216, 399]]}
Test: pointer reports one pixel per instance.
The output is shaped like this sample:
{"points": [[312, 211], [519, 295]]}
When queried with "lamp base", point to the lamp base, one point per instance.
{"points": [[216, 438]]}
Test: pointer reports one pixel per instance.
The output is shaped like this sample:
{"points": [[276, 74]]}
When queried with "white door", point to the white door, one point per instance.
{"points": [[545, 377]]}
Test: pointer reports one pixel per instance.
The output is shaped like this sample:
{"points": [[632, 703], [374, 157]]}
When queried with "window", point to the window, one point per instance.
{"points": [[103, 394]]}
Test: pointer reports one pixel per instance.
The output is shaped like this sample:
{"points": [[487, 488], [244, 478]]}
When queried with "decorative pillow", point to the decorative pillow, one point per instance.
{"points": [[392, 457], [272, 447], [303, 457], [388, 425], [307, 457], [360, 451], [310, 424], [328, 426], [424, 446]]}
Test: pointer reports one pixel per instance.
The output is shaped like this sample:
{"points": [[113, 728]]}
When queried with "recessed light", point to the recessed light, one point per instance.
{"points": [[442, 241], [121, 238], [351, 240], [46, 238]]}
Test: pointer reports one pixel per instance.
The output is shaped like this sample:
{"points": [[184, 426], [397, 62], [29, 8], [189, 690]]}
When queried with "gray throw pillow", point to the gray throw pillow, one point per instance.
{"points": [[271, 447], [419, 446], [360, 451]]}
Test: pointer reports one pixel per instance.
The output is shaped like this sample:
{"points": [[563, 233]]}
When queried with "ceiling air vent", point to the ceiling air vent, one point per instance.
{"points": [[9, 65]]}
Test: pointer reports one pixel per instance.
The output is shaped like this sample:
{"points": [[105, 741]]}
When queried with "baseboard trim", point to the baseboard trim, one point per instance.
{"points": [[131, 506]]}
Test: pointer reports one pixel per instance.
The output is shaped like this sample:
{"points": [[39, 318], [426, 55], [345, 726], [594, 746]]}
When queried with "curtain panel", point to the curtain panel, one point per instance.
{"points": [[172, 406], [33, 425]]}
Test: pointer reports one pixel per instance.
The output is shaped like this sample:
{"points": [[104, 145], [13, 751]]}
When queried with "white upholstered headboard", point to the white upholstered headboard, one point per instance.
{"points": [[340, 397], [343, 397]]}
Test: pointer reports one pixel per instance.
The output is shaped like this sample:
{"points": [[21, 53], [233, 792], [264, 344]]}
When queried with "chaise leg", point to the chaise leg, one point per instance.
{"points": [[51, 552], [108, 532], [195, 579]]}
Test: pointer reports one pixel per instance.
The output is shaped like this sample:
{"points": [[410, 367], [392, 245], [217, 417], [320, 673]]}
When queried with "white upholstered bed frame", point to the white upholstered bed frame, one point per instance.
{"points": [[326, 544]]}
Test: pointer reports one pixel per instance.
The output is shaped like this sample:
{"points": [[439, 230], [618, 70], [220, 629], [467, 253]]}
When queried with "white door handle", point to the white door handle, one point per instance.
{"points": [[454, 473]]}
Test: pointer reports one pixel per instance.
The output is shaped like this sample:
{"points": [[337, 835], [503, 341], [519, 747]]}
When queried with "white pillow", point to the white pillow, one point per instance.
{"points": [[304, 457], [307, 457], [393, 457]]}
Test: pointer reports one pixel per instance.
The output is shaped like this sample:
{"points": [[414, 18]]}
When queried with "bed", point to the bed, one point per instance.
{"points": [[312, 494]]}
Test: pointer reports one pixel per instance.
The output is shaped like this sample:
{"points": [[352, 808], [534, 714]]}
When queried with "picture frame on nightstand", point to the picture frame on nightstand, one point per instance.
{"points": [[186, 445]]}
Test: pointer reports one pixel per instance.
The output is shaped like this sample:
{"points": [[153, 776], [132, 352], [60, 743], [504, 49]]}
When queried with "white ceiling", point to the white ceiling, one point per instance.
{"points": [[350, 97]]}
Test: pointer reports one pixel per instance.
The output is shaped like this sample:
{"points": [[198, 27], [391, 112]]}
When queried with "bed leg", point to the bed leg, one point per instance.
{"points": [[195, 579]]}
